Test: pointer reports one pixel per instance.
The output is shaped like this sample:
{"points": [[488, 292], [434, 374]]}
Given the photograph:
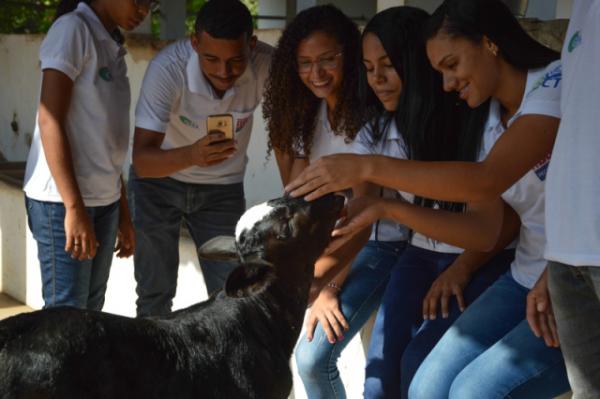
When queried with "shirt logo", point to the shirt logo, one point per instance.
{"points": [[541, 168], [574, 42], [186, 121], [241, 123], [105, 74], [550, 80]]}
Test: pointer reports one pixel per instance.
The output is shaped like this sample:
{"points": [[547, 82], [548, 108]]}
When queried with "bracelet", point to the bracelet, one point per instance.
{"points": [[334, 285]]}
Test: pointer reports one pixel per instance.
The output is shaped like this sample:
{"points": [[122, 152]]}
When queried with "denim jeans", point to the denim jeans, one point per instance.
{"points": [[401, 339], [160, 206], [360, 296], [68, 281], [490, 352], [575, 293]]}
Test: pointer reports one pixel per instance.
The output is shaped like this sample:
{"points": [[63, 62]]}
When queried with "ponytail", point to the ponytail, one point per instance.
{"points": [[66, 6]]}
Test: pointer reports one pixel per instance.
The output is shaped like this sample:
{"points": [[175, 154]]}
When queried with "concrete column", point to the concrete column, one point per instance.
{"points": [[172, 19], [145, 27], [274, 8], [541, 9], [563, 8], [383, 4], [427, 5]]}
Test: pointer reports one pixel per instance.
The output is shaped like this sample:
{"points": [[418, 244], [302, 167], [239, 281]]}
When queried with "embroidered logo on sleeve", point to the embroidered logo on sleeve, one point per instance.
{"points": [[550, 79], [541, 168], [105, 74], [574, 42], [188, 122], [240, 123]]}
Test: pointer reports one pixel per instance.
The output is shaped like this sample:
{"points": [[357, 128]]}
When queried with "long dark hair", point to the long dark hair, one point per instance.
{"points": [[434, 125], [473, 19], [290, 108], [66, 6]]}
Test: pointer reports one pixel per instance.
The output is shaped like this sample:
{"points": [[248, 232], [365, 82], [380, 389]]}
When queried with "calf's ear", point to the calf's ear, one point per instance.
{"points": [[247, 280], [221, 248]]}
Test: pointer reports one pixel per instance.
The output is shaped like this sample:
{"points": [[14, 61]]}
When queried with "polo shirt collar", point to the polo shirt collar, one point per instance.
{"points": [[99, 31], [199, 84]]}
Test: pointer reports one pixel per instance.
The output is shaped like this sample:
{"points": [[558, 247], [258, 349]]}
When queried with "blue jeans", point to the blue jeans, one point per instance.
{"points": [[401, 339], [360, 296], [68, 281], [160, 206], [575, 293], [490, 352]]}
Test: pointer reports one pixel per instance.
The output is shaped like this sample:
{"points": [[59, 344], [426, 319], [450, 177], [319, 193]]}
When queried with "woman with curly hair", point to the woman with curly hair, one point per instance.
{"points": [[311, 104], [313, 109]]}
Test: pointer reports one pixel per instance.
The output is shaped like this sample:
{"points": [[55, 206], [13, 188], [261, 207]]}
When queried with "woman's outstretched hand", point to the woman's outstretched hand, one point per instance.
{"points": [[361, 212], [327, 175]]}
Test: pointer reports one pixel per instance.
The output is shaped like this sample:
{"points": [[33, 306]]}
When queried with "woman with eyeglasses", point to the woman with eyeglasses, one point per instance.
{"points": [[313, 109], [75, 196]]}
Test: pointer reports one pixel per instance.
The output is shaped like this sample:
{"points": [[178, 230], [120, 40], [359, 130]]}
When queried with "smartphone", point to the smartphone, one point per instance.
{"points": [[222, 123]]}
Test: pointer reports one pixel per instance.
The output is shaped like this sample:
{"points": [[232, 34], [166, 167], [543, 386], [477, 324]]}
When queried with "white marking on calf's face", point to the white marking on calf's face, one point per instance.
{"points": [[251, 217]]}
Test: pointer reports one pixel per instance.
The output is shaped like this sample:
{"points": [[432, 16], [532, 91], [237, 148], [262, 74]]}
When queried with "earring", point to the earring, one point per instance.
{"points": [[494, 49]]}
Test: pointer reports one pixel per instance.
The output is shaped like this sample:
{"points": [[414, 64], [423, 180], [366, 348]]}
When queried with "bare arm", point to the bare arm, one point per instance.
{"points": [[284, 165], [55, 101], [331, 272], [334, 266], [528, 140], [457, 276], [149, 160], [476, 229]]}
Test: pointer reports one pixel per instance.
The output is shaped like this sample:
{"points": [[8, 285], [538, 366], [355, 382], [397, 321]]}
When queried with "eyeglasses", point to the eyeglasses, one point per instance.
{"points": [[151, 5], [327, 63]]}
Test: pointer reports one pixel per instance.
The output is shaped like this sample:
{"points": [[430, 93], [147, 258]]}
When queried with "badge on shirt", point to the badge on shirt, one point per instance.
{"points": [[574, 42], [105, 74], [550, 79], [187, 121], [241, 123], [541, 168]]}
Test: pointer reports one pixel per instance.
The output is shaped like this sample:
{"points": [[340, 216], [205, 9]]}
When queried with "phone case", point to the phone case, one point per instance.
{"points": [[221, 122]]}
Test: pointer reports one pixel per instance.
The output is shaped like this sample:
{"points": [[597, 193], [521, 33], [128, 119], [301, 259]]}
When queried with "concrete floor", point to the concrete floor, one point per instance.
{"points": [[10, 307]]}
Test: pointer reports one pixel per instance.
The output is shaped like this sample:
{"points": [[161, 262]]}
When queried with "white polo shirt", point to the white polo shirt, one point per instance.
{"points": [[325, 141], [526, 196], [176, 100], [573, 188], [97, 122], [391, 145]]}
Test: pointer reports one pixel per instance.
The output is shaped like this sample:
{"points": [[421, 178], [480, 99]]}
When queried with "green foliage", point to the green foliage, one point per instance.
{"points": [[35, 16], [26, 16]]}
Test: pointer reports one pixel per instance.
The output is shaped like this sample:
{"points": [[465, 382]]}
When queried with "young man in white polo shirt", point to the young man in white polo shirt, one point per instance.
{"points": [[572, 209], [183, 174]]}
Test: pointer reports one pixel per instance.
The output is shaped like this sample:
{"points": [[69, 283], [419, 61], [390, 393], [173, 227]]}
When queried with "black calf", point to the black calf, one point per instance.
{"points": [[235, 345]]}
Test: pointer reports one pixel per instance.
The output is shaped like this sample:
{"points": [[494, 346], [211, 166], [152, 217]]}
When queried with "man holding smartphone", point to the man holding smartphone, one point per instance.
{"points": [[183, 170]]}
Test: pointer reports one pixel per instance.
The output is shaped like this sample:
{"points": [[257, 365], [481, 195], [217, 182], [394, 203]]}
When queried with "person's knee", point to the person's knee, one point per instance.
{"points": [[312, 358], [467, 386], [426, 385], [373, 388]]}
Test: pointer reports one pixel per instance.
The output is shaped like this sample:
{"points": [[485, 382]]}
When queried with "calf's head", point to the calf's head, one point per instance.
{"points": [[273, 237]]}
